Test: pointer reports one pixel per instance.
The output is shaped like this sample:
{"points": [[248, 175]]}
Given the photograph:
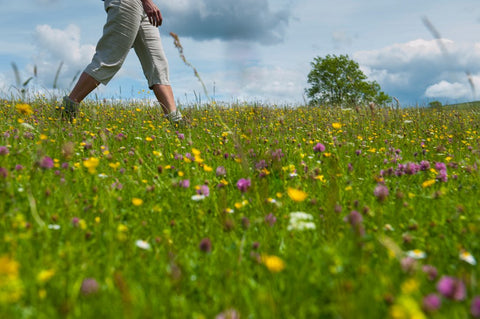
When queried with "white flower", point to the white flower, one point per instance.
{"points": [[300, 221], [467, 257], [102, 175], [53, 226], [198, 197], [142, 244], [416, 254], [388, 227]]}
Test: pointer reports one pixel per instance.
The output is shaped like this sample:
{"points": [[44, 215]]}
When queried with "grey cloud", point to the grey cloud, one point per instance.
{"points": [[247, 20]]}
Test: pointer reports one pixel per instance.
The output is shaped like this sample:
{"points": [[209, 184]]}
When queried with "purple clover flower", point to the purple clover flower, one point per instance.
{"points": [[319, 148], [451, 288], [46, 162], [475, 307], [243, 184], [431, 302]]}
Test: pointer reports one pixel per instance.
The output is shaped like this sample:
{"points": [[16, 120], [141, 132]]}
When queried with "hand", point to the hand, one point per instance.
{"points": [[153, 13]]}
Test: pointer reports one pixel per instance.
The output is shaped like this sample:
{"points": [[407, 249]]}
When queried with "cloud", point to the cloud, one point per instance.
{"points": [[420, 69], [55, 46], [248, 20]]}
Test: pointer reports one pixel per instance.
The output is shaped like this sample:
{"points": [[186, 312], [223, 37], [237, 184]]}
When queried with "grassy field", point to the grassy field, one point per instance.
{"points": [[251, 211]]}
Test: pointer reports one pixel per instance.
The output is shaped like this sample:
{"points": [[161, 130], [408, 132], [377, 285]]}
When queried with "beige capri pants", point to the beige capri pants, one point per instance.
{"points": [[128, 26]]}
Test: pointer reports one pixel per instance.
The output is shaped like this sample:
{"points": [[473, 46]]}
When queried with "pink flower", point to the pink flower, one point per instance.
{"points": [[89, 286], [319, 148], [3, 150], [381, 192], [243, 185], [432, 303], [475, 307], [451, 288], [46, 162]]}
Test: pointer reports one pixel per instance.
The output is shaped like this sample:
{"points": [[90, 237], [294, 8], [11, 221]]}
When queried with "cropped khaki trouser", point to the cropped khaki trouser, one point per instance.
{"points": [[127, 26]]}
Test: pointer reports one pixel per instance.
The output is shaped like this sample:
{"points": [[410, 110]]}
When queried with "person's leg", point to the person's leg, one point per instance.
{"points": [[148, 47], [164, 95], [119, 33], [86, 84]]}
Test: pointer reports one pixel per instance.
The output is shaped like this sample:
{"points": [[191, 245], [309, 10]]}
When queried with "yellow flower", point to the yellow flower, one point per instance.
{"points": [[45, 275], [195, 152], [137, 201], [122, 228], [91, 164], [428, 183], [114, 165], [296, 194], [337, 125], [207, 168], [11, 286], [24, 109], [273, 263], [8, 267]]}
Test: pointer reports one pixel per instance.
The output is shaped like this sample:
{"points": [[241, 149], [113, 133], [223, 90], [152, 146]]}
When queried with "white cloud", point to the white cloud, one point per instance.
{"points": [[55, 46], [423, 68]]}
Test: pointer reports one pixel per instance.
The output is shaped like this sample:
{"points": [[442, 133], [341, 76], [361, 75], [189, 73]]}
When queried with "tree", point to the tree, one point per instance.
{"points": [[338, 81]]}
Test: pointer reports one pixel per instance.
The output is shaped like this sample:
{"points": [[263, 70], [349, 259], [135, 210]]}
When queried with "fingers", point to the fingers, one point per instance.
{"points": [[155, 18]]}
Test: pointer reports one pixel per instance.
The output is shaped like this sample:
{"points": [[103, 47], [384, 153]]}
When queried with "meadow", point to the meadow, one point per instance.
{"points": [[250, 211]]}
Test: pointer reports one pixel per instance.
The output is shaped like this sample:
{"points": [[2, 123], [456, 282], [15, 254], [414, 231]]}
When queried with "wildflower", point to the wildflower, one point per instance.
{"points": [[319, 148], [75, 221], [203, 190], [89, 286], [91, 164], [300, 221], [221, 171], [53, 227], [355, 219], [431, 303], [451, 288], [45, 275], [11, 287], [416, 254], [243, 185], [388, 227], [207, 168], [137, 201], [4, 150], [408, 264], [142, 244], [381, 192], [24, 109], [46, 162], [228, 314], [184, 183], [273, 263], [428, 183], [430, 271], [205, 245], [270, 219], [406, 307], [296, 194], [3, 172], [468, 258], [337, 125], [475, 307], [198, 197]]}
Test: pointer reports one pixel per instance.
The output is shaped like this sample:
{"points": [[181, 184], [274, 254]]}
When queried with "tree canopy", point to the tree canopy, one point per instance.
{"points": [[338, 81]]}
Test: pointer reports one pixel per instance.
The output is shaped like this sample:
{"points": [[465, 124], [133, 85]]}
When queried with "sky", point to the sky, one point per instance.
{"points": [[255, 50]]}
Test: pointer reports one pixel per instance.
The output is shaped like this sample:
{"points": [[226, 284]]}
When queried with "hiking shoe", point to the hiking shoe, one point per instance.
{"points": [[176, 119], [69, 108]]}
